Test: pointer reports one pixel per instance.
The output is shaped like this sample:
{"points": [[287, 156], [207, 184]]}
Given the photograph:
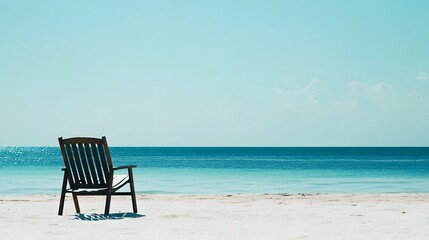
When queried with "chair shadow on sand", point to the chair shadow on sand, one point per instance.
{"points": [[101, 217]]}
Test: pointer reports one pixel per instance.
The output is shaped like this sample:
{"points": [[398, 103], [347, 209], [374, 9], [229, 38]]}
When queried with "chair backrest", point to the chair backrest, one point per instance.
{"points": [[87, 161]]}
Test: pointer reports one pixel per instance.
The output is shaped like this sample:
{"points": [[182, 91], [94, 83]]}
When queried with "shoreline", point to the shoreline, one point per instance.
{"points": [[220, 216]]}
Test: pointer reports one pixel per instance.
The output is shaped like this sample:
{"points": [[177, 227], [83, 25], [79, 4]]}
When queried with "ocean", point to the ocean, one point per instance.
{"points": [[227, 170]]}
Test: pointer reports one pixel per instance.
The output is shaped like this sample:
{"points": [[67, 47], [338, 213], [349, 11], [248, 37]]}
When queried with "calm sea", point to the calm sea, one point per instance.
{"points": [[220, 170]]}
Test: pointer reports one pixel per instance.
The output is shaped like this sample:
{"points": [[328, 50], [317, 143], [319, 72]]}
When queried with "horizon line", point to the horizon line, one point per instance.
{"points": [[155, 146]]}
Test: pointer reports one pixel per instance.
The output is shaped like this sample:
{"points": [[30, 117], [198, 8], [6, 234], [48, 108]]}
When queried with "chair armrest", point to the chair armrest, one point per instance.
{"points": [[124, 167]]}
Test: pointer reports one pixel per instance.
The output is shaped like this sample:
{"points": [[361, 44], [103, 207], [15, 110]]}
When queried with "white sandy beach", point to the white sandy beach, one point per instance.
{"points": [[318, 216]]}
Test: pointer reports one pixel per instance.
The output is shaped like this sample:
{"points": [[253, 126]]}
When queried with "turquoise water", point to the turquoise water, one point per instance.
{"points": [[36, 170]]}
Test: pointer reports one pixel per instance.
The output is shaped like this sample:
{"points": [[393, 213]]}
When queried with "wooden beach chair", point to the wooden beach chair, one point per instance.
{"points": [[89, 171]]}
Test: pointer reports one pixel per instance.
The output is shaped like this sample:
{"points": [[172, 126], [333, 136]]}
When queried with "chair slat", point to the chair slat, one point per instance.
{"points": [[85, 166], [97, 164], [91, 164], [103, 161], [72, 164], [78, 165]]}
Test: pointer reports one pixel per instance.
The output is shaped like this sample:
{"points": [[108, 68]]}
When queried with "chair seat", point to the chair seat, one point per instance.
{"points": [[118, 182]]}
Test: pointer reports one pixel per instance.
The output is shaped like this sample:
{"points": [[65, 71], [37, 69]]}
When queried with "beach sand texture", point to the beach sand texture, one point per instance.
{"points": [[297, 216]]}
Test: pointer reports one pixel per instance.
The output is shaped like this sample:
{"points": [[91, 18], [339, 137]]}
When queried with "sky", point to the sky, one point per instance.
{"points": [[215, 73]]}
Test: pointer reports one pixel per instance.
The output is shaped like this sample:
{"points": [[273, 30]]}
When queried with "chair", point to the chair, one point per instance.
{"points": [[89, 171]]}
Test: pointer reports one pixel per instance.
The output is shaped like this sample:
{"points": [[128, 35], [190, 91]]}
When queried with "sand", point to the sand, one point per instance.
{"points": [[313, 216]]}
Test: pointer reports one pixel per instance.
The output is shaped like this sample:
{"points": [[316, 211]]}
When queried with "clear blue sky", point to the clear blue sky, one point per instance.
{"points": [[215, 73]]}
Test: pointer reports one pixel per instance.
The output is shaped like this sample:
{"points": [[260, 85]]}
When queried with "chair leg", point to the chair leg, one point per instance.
{"points": [[133, 199], [108, 199], [133, 192], [63, 195], [108, 194], [76, 203]]}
